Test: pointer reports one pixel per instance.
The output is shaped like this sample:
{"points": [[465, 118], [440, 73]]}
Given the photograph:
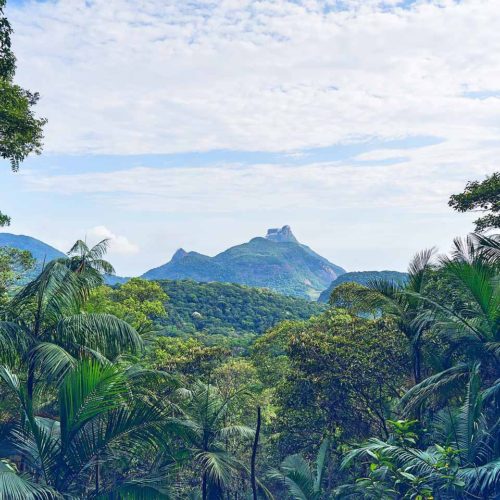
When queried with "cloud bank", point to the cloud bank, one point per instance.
{"points": [[162, 76]]}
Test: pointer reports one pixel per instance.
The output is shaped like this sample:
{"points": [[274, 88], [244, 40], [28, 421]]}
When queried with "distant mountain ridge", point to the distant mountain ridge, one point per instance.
{"points": [[278, 262], [41, 252], [362, 278]]}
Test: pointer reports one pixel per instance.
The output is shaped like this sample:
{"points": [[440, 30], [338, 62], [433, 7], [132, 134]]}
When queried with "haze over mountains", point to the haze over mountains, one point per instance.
{"points": [[278, 262]]}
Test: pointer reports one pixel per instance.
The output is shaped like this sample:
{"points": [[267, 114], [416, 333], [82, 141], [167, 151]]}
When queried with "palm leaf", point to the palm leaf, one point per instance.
{"points": [[320, 463], [433, 385], [103, 332], [53, 360], [482, 480], [14, 486], [15, 341]]}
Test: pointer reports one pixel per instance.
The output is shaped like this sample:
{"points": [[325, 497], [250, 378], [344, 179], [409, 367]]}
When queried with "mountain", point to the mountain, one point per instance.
{"points": [[278, 262], [229, 309], [362, 278], [40, 251]]}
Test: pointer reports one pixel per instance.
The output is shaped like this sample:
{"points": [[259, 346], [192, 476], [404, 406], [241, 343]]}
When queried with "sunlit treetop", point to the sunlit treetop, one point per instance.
{"points": [[481, 196]]}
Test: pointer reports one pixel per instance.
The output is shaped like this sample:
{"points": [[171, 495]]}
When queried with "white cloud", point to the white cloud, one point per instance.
{"points": [[117, 245], [420, 183], [142, 76]]}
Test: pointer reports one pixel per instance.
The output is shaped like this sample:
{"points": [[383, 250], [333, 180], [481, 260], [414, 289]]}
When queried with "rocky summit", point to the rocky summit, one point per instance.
{"points": [[282, 235]]}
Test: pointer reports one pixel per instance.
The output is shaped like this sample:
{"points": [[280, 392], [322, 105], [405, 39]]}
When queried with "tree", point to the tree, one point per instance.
{"points": [[471, 325], [481, 196], [21, 133], [4, 220], [187, 357], [339, 377], [138, 302], [462, 461], [207, 432], [83, 259], [45, 330], [14, 264], [399, 301], [105, 418], [349, 296]]}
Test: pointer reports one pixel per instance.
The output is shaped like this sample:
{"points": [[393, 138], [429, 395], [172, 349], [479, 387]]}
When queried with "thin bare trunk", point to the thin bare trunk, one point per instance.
{"points": [[254, 454]]}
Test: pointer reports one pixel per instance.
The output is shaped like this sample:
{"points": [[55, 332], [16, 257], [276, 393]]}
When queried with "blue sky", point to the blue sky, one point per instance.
{"points": [[202, 124]]}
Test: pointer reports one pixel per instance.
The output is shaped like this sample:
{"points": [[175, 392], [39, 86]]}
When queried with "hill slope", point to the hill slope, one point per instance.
{"points": [[40, 251], [362, 278], [225, 307], [278, 262]]}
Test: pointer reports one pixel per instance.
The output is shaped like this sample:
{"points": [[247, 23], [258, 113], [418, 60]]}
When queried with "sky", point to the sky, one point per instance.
{"points": [[200, 124]]}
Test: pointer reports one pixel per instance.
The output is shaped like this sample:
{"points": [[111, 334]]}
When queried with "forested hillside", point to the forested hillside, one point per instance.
{"points": [[363, 278], [222, 307]]}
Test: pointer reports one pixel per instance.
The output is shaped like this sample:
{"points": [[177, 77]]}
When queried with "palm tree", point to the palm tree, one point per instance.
{"points": [[204, 415], [84, 259], [465, 465], [44, 330], [401, 303], [106, 418], [471, 325], [301, 480], [474, 269]]}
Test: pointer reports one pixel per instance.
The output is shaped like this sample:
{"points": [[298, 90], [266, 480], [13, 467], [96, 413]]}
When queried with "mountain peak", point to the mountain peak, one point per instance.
{"points": [[179, 254], [283, 235]]}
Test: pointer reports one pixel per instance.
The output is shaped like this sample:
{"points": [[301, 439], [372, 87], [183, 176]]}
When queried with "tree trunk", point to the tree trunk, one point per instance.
{"points": [[97, 475], [204, 486], [417, 364], [254, 455], [30, 382]]}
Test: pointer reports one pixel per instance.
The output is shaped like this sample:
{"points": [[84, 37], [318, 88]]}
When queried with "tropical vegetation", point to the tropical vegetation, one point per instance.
{"points": [[392, 391], [146, 390]]}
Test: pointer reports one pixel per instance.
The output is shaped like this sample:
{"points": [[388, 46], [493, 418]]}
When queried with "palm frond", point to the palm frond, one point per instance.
{"points": [[88, 391], [488, 247], [15, 341], [14, 486], [238, 431], [104, 332], [432, 385], [482, 480], [420, 462], [53, 361], [418, 268], [219, 466], [99, 250], [55, 292], [78, 248], [320, 463]]}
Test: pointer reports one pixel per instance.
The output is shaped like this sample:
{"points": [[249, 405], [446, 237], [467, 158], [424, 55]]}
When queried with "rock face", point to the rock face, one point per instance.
{"points": [[278, 262], [282, 235]]}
